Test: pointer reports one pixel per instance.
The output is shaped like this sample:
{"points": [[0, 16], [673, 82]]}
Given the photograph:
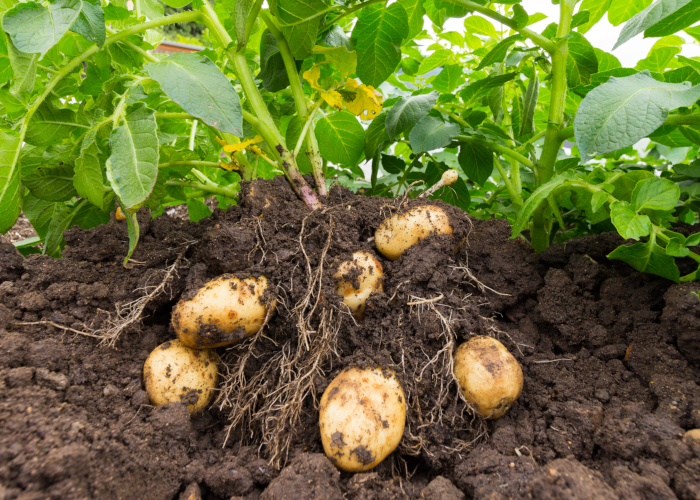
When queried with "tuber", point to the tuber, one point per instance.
{"points": [[223, 311], [362, 416], [490, 377], [365, 271], [401, 231], [173, 372]]}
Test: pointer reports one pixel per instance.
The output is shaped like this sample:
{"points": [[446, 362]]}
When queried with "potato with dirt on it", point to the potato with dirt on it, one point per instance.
{"points": [[490, 377], [223, 311], [365, 271], [401, 231], [362, 416], [173, 372], [692, 437]]}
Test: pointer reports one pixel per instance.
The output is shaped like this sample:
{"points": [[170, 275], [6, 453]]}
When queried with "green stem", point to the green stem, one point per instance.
{"points": [[497, 148], [514, 195], [411, 166], [307, 127], [552, 143], [222, 191], [523, 148], [456, 118], [538, 39], [196, 163], [302, 109], [252, 17], [134, 47], [267, 127], [193, 134], [347, 11]]}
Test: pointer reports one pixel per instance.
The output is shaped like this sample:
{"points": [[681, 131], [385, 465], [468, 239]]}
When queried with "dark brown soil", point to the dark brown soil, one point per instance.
{"points": [[610, 360]]}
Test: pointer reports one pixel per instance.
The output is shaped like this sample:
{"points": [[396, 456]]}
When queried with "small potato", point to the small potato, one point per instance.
{"points": [[490, 377], [174, 372], [362, 416], [692, 437], [401, 231], [363, 270], [223, 311]]}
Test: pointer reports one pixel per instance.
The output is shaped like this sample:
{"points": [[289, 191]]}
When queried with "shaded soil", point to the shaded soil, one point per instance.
{"points": [[610, 360]]}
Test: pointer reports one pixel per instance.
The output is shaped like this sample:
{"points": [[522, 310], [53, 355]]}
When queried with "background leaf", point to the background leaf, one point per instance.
{"points": [[23, 67], [301, 36], [340, 138], [655, 193], [621, 10], [9, 180], [432, 133], [132, 168], [87, 177], [581, 61], [194, 82], [272, 71], [91, 22], [656, 12], [476, 161], [35, 28], [408, 111], [52, 183], [375, 135]]}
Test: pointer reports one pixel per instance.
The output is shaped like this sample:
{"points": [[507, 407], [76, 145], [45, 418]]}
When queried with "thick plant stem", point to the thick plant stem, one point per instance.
{"points": [[267, 127], [290, 66], [539, 232]]}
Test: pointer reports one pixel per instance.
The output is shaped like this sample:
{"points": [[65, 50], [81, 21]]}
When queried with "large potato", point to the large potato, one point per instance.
{"points": [[490, 377], [401, 231], [223, 311], [174, 372], [363, 270], [362, 416]]}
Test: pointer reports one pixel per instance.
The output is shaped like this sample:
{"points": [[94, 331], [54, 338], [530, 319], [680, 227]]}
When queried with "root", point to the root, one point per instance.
{"points": [[51, 323], [130, 314], [490, 326]]}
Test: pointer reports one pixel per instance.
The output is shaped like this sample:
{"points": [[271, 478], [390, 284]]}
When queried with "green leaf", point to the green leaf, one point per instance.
{"points": [[606, 62], [434, 60], [648, 257], [650, 16], [596, 9], [91, 22], [408, 111], [132, 168], [476, 161], [375, 135], [50, 125], [628, 223], [529, 105], [491, 81], [655, 193], [241, 10], [5, 64], [621, 10], [61, 219], [498, 53], [152, 9], [520, 16], [195, 83], [677, 248], [581, 61], [658, 59], [299, 20], [536, 198], [340, 138], [87, 177], [449, 78], [481, 26], [598, 200], [39, 213], [272, 71], [341, 57], [622, 111], [377, 36], [393, 164], [197, 210], [580, 18], [438, 11], [35, 28], [686, 16], [432, 133], [9, 179], [23, 66], [415, 11], [53, 183], [178, 4]]}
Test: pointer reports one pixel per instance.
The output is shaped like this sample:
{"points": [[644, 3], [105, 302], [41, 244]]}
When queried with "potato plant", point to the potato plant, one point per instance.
{"points": [[540, 125]]}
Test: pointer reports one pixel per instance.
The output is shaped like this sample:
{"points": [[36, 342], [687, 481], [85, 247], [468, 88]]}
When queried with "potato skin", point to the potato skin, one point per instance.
{"points": [[369, 279], [692, 437], [490, 377], [401, 231], [362, 416], [224, 310], [172, 371]]}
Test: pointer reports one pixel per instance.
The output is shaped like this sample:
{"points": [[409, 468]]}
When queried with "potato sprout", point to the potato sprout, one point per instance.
{"points": [[363, 270], [174, 372], [490, 377], [448, 178], [362, 416], [401, 231], [225, 310]]}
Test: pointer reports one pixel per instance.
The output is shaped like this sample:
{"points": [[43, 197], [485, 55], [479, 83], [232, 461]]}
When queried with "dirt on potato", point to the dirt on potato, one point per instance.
{"points": [[610, 359]]}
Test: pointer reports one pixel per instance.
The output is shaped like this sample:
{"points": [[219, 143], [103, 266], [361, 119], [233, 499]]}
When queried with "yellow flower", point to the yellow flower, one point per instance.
{"points": [[361, 100], [255, 149], [230, 166], [234, 148]]}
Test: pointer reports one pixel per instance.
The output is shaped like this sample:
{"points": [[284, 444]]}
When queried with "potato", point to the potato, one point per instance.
{"points": [[363, 270], [362, 416], [174, 372], [225, 310], [490, 377], [401, 231], [692, 437]]}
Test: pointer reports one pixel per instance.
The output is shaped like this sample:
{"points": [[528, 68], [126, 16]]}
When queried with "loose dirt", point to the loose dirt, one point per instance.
{"points": [[610, 360]]}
